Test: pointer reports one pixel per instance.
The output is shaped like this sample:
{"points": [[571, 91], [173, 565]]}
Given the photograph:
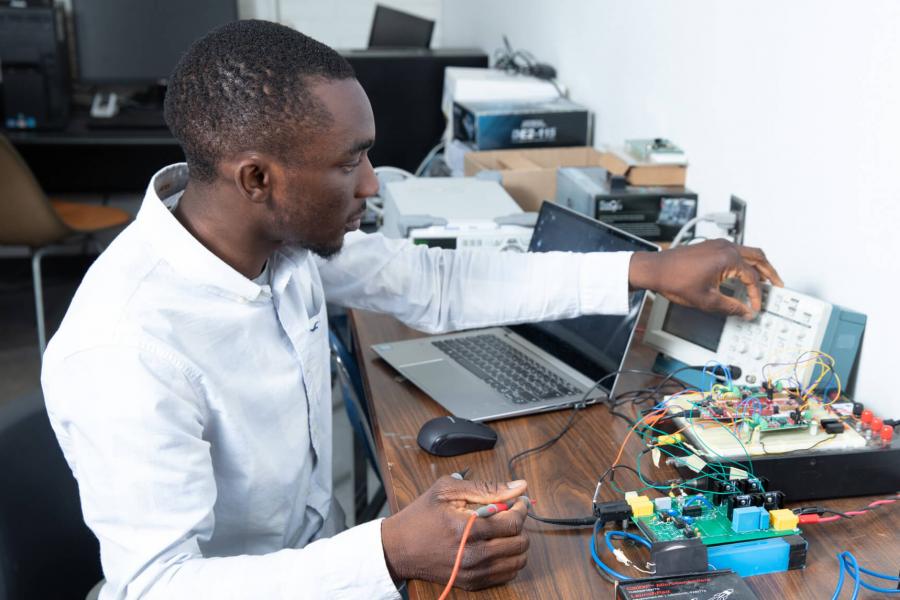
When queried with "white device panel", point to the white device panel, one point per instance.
{"points": [[456, 212], [505, 238], [789, 324]]}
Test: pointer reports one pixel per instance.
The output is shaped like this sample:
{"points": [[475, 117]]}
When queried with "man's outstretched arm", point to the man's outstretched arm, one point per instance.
{"points": [[440, 290]]}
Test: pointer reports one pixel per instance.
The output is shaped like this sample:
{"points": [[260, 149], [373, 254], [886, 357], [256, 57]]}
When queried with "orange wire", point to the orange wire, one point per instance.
{"points": [[657, 413], [459, 555]]}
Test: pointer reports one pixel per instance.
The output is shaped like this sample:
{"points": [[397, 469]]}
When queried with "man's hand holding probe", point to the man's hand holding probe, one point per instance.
{"points": [[691, 275], [421, 541]]}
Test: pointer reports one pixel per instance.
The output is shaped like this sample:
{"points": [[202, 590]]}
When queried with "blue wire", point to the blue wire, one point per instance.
{"points": [[848, 557], [624, 535], [879, 575], [609, 535], [699, 498], [592, 545], [840, 582], [854, 574], [847, 563]]}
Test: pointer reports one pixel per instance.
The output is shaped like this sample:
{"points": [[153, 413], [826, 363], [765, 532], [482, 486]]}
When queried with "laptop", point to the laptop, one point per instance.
{"points": [[502, 372]]}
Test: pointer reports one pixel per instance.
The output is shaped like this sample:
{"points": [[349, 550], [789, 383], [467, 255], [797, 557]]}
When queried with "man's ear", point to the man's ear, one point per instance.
{"points": [[253, 178]]}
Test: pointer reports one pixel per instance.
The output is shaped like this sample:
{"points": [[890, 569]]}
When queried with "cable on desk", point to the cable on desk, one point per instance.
{"points": [[813, 514], [848, 564], [581, 404]]}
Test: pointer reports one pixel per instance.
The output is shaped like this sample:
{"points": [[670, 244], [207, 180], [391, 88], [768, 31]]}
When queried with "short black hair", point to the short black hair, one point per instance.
{"points": [[246, 86]]}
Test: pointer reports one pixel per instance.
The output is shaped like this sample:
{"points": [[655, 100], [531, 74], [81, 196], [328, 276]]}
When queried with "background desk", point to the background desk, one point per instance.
{"points": [[404, 86], [562, 479], [78, 159]]}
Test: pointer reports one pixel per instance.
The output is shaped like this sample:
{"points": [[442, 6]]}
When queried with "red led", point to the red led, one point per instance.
{"points": [[877, 424], [866, 417], [887, 432]]}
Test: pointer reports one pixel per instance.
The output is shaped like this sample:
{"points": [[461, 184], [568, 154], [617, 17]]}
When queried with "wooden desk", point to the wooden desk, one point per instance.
{"points": [[562, 479]]}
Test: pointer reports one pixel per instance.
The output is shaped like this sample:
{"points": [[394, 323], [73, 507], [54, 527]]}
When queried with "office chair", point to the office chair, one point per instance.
{"points": [[363, 442], [29, 218], [46, 550]]}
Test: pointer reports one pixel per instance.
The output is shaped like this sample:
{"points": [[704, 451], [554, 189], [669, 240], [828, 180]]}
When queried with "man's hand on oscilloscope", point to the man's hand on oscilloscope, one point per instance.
{"points": [[691, 275]]}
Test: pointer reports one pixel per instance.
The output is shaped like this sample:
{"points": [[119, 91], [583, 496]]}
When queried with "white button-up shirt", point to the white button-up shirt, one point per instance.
{"points": [[193, 404]]}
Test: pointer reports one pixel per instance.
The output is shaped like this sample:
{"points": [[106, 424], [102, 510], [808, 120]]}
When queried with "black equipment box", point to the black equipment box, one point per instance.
{"points": [[813, 475], [710, 585], [34, 74], [405, 86], [653, 213], [495, 125]]}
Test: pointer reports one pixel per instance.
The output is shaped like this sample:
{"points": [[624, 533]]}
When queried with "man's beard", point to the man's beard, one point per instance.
{"points": [[326, 251]]}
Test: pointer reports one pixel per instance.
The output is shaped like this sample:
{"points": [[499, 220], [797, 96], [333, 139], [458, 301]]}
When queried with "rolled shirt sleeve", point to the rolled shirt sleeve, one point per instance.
{"points": [[437, 290]]}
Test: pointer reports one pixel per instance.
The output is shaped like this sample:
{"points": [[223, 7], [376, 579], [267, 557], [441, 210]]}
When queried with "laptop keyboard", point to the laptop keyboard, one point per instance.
{"points": [[509, 371]]}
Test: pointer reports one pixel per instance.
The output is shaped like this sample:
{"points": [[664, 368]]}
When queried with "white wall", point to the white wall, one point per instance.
{"points": [[338, 23], [794, 106]]}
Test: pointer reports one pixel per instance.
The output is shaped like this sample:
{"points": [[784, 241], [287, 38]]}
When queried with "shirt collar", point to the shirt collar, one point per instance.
{"points": [[182, 250]]}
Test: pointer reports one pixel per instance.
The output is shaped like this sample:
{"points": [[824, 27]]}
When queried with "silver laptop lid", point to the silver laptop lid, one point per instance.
{"points": [[594, 345]]}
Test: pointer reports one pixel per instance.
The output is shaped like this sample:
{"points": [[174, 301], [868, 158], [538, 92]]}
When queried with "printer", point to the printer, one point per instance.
{"points": [[455, 213], [654, 213]]}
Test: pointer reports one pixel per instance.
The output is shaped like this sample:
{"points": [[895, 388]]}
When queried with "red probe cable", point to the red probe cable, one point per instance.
{"points": [[484, 511], [459, 555]]}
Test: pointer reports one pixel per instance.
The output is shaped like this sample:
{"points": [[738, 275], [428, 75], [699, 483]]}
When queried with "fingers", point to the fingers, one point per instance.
{"points": [[500, 525], [750, 279], [479, 553], [729, 306], [479, 492], [757, 258], [491, 573]]}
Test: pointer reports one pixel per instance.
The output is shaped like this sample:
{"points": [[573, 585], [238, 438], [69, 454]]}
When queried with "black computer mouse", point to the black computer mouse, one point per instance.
{"points": [[449, 436]]}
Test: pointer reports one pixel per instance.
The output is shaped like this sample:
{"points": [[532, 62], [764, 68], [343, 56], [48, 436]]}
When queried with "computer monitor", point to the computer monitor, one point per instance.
{"points": [[396, 29], [139, 41]]}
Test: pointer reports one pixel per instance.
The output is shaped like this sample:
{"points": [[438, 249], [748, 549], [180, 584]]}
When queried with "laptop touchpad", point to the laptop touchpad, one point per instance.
{"points": [[438, 378]]}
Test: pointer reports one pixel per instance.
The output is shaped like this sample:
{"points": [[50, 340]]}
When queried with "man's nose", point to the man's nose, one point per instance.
{"points": [[368, 181]]}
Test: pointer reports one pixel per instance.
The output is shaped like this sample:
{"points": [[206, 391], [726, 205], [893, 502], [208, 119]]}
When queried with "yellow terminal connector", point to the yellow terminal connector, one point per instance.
{"points": [[666, 440], [641, 506], [783, 519]]}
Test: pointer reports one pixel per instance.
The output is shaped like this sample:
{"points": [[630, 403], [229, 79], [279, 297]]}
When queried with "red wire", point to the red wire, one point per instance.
{"points": [[815, 518], [459, 555]]}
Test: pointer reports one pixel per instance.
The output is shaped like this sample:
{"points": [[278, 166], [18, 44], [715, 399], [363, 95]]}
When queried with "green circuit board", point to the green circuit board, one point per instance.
{"points": [[713, 526]]}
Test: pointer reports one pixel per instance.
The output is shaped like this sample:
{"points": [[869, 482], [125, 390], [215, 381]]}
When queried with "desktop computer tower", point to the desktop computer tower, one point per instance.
{"points": [[405, 87], [34, 69]]}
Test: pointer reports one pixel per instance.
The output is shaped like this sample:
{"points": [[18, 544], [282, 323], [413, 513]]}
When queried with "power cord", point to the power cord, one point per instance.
{"points": [[725, 220], [522, 62]]}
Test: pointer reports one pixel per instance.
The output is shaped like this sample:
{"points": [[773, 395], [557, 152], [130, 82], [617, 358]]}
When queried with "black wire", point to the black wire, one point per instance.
{"points": [[578, 406], [582, 521], [767, 453], [821, 510], [545, 445]]}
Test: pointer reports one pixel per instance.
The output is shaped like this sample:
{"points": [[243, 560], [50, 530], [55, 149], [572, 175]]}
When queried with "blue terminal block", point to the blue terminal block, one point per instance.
{"points": [[759, 557]]}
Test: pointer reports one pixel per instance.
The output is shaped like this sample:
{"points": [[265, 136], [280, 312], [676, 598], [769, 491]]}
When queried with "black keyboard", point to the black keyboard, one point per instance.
{"points": [[509, 371]]}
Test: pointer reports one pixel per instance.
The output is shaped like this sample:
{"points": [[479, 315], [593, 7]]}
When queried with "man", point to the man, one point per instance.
{"points": [[189, 382]]}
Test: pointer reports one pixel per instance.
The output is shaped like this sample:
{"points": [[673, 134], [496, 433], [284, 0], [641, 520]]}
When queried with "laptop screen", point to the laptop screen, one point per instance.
{"points": [[594, 345]]}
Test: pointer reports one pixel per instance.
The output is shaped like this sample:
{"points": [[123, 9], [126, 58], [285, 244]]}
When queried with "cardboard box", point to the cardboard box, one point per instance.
{"points": [[530, 175]]}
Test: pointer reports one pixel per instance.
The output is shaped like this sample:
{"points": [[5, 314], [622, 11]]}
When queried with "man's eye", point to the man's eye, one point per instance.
{"points": [[348, 168]]}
